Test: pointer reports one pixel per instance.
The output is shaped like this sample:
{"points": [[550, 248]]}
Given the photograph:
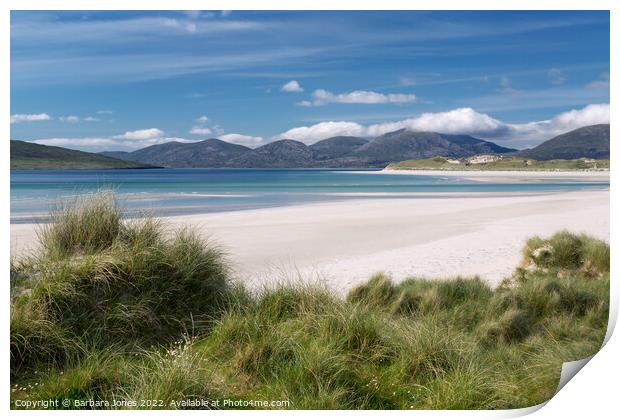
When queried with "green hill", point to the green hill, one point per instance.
{"points": [[589, 142], [26, 155], [500, 163]]}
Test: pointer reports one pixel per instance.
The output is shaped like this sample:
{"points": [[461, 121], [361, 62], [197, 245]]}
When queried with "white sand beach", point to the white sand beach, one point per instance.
{"points": [[343, 243]]}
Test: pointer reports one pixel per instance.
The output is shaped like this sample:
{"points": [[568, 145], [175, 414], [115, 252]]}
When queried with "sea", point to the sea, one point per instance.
{"points": [[167, 192]]}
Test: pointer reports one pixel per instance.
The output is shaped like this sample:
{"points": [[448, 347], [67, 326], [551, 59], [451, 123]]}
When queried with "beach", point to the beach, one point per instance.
{"points": [[342, 243]]}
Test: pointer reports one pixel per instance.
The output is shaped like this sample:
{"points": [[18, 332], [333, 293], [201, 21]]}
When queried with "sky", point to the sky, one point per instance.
{"points": [[124, 80]]}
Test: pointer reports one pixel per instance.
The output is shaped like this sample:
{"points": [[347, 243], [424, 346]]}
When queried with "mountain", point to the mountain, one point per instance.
{"points": [[203, 154], [405, 144], [335, 147], [117, 154], [277, 154], [590, 142], [476, 145], [27, 155]]}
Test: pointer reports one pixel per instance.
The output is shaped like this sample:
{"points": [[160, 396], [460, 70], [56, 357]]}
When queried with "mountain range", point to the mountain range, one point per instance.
{"points": [[335, 152]]}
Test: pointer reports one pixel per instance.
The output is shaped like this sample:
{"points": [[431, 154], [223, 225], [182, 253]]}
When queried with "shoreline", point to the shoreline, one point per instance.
{"points": [[512, 176], [342, 243]]}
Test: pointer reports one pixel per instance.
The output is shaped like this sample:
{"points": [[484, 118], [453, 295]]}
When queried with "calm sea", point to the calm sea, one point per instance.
{"points": [[186, 191]]}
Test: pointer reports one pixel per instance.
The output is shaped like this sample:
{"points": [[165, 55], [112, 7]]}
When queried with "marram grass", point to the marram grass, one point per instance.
{"points": [[127, 311]]}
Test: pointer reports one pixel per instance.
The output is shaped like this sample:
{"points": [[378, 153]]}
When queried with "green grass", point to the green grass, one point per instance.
{"points": [[506, 163], [128, 311]]}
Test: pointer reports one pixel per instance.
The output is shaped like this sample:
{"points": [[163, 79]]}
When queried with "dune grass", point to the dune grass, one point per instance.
{"points": [[129, 311]]}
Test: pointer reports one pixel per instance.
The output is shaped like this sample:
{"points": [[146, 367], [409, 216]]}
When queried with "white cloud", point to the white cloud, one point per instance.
{"points": [[557, 76], [91, 119], [535, 132], [601, 83], [105, 112], [461, 121], [324, 130], [98, 144], [70, 119], [202, 119], [323, 97], [242, 139], [292, 86], [147, 133], [17, 118], [201, 131]]}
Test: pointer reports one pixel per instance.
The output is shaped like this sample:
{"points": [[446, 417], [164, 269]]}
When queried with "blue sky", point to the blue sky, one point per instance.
{"points": [[123, 80]]}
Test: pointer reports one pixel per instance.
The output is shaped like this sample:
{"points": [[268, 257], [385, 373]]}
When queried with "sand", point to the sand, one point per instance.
{"points": [[343, 243]]}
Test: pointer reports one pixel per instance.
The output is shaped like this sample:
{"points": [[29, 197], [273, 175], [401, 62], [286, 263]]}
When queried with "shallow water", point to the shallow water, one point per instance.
{"points": [[187, 191]]}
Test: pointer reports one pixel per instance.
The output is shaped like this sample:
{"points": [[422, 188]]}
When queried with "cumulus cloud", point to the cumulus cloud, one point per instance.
{"points": [[323, 97], [557, 76], [70, 119], [98, 144], [200, 131], [18, 118], [242, 139], [324, 130], [535, 132], [461, 121], [145, 134], [202, 119], [292, 86], [91, 119]]}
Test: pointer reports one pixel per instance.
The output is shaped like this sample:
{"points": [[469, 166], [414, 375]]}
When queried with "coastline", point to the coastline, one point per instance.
{"points": [[343, 243], [512, 176]]}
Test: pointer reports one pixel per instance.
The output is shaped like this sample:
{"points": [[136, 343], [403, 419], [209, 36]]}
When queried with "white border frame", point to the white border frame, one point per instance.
{"points": [[592, 393]]}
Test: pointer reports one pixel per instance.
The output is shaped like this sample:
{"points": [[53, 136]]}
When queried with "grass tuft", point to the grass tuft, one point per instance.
{"points": [[127, 283]]}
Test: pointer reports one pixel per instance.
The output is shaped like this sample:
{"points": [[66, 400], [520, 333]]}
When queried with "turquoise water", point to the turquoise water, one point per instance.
{"points": [[186, 191]]}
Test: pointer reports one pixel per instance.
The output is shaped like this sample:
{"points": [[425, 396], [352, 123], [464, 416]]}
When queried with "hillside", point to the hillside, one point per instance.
{"points": [[421, 144], [202, 154], [336, 152], [589, 142], [498, 163], [278, 154], [336, 147], [26, 155]]}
